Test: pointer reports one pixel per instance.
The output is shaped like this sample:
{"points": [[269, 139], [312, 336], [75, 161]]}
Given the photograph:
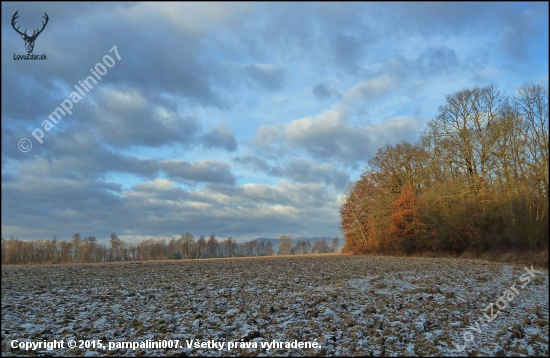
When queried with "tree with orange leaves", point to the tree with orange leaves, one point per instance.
{"points": [[405, 224]]}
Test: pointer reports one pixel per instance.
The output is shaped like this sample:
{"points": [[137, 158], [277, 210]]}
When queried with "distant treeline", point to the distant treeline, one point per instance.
{"points": [[476, 180], [87, 249]]}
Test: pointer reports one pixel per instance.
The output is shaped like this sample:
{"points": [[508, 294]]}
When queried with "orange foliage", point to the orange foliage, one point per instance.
{"points": [[405, 224]]}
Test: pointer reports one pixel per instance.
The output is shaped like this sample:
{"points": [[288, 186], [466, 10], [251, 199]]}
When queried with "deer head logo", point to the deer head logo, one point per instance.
{"points": [[29, 40]]}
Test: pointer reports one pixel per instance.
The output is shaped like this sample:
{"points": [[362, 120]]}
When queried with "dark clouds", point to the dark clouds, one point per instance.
{"points": [[204, 171], [347, 50], [323, 91], [268, 76], [126, 118], [298, 169], [220, 137], [435, 61]]}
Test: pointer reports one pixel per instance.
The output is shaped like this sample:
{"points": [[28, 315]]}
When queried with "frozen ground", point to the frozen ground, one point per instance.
{"points": [[377, 306]]}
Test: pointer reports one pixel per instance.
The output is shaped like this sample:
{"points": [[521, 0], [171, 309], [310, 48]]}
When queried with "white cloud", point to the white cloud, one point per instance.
{"points": [[188, 17], [368, 90], [329, 136]]}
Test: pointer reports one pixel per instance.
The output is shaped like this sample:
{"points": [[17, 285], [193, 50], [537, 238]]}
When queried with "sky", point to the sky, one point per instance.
{"points": [[231, 119]]}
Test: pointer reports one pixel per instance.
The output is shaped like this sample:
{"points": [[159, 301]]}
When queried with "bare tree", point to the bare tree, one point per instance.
{"points": [[284, 245], [336, 244], [212, 246]]}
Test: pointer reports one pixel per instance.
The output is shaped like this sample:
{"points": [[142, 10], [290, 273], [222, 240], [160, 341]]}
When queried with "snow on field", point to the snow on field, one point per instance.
{"points": [[377, 306]]}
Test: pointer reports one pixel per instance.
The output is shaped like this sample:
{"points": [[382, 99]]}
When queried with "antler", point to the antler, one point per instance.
{"points": [[43, 23], [34, 34], [13, 23], [29, 40]]}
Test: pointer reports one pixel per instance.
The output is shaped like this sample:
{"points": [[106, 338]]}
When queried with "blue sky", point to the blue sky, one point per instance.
{"points": [[234, 119]]}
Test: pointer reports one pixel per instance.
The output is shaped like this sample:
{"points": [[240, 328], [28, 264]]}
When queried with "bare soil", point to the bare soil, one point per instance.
{"points": [[350, 305]]}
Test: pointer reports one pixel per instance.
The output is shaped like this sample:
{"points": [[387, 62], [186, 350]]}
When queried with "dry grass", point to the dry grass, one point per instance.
{"points": [[537, 258]]}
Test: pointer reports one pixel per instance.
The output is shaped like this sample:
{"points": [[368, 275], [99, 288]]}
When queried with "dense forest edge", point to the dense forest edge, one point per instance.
{"points": [[474, 185]]}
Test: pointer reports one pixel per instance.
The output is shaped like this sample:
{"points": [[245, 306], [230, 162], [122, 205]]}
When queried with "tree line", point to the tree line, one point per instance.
{"points": [[477, 179], [88, 250], [302, 247]]}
